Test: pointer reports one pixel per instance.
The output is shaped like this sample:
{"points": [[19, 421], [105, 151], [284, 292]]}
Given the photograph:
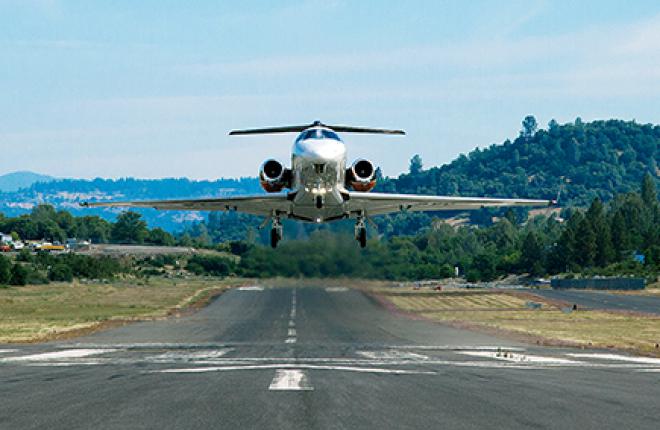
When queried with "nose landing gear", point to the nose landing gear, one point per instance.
{"points": [[361, 232], [275, 232]]}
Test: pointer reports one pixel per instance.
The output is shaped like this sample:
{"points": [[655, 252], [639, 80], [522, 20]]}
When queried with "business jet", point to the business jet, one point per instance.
{"points": [[320, 187]]}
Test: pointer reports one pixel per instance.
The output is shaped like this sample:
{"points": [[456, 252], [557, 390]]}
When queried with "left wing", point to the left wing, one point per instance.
{"points": [[379, 203], [265, 205]]}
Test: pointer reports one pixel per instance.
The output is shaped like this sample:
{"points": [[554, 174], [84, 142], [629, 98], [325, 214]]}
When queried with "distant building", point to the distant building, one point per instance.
{"points": [[6, 239]]}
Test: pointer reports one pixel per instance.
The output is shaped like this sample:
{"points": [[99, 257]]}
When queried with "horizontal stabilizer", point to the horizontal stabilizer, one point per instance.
{"points": [[300, 128]]}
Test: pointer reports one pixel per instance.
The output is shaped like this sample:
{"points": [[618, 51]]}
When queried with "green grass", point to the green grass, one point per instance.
{"points": [[39, 312]]}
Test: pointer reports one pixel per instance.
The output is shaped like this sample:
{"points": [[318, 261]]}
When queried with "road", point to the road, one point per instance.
{"points": [[317, 358], [604, 300]]}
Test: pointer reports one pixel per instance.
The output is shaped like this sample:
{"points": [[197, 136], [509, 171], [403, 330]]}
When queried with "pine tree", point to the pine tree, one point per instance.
{"points": [[585, 244], [649, 193], [531, 253], [604, 251]]}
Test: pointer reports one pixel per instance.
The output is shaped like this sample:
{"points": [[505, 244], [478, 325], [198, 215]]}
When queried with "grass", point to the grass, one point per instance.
{"points": [[508, 312], [41, 312]]}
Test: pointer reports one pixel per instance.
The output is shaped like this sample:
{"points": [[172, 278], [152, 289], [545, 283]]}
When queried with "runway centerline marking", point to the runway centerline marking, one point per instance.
{"points": [[290, 380]]}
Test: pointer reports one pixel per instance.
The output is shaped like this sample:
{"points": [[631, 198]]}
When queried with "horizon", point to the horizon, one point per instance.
{"points": [[120, 91]]}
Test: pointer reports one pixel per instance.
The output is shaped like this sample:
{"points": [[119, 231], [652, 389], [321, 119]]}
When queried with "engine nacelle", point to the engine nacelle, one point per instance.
{"points": [[361, 176], [273, 176]]}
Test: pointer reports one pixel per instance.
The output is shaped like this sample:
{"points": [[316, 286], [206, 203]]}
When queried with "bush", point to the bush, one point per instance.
{"points": [[210, 265], [19, 274], [60, 272]]}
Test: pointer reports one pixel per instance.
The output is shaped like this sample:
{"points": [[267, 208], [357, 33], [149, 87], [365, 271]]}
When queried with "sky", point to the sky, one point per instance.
{"points": [[150, 89]]}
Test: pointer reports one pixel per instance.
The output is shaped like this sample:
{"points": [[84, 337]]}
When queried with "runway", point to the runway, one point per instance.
{"points": [[604, 300], [317, 358]]}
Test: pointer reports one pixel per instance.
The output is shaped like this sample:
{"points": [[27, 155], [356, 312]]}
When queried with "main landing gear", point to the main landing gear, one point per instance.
{"points": [[275, 232], [361, 232]]}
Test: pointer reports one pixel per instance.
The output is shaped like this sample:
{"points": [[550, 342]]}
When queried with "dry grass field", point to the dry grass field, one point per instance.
{"points": [[550, 324], [40, 312]]}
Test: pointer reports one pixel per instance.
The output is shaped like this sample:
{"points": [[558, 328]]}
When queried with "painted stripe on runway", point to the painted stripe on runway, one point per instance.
{"points": [[656, 370], [295, 366], [291, 332], [251, 288], [188, 356], [392, 355], [290, 380], [519, 358], [292, 323], [6, 351], [59, 355], [336, 289], [617, 357], [290, 340]]}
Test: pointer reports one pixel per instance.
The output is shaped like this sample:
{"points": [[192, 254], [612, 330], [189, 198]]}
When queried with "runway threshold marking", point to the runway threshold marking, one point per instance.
{"points": [[290, 380], [519, 358], [59, 355], [251, 288], [617, 357]]}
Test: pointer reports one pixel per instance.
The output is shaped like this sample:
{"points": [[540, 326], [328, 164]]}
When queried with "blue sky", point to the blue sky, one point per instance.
{"points": [[151, 88]]}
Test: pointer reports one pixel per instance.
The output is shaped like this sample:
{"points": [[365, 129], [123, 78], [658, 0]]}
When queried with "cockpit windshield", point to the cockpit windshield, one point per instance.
{"points": [[318, 133]]}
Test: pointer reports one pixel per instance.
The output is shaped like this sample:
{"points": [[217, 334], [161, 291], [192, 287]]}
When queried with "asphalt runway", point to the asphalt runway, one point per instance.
{"points": [[317, 358], [605, 301]]}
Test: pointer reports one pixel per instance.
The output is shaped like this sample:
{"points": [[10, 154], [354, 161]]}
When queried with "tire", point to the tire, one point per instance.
{"points": [[274, 238], [362, 237]]}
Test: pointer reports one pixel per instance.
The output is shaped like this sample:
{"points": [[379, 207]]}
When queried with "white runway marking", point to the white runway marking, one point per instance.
{"points": [[251, 288], [290, 340], [59, 355], [519, 358], [617, 357], [290, 380], [292, 332], [392, 355], [657, 370], [5, 351], [295, 366], [188, 356], [336, 289], [292, 323]]}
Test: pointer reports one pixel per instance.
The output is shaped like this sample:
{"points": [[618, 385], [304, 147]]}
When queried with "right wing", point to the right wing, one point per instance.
{"points": [[381, 203], [264, 205]]}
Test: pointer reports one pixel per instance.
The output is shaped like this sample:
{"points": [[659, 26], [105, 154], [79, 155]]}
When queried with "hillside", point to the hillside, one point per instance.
{"points": [[596, 159], [68, 193], [16, 180]]}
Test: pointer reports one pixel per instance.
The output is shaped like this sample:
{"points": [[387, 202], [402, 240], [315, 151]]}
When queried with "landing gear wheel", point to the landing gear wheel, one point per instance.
{"points": [[274, 237], [362, 237]]}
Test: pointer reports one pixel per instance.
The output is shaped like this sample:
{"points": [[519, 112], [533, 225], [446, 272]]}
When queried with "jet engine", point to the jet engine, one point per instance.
{"points": [[361, 176], [273, 176]]}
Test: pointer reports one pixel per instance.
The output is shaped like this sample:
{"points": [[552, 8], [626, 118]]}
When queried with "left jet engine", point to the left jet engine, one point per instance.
{"points": [[273, 176]]}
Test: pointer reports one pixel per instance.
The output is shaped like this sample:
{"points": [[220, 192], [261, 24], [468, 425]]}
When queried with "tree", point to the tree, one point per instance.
{"points": [[19, 274], [158, 236], [416, 164], [5, 270], [60, 272], [604, 252], [585, 244], [129, 228], [649, 193], [532, 254], [529, 126]]}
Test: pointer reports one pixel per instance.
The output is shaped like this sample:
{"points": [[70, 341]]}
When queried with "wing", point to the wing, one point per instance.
{"points": [[264, 205], [379, 204]]}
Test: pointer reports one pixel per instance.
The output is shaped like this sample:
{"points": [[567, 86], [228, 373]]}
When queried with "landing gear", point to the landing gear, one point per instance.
{"points": [[275, 232], [361, 232]]}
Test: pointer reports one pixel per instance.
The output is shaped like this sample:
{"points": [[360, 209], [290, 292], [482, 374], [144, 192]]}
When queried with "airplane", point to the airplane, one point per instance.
{"points": [[320, 187]]}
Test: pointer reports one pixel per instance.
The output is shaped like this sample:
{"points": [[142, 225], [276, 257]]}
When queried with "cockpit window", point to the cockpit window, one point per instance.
{"points": [[330, 134], [317, 133]]}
